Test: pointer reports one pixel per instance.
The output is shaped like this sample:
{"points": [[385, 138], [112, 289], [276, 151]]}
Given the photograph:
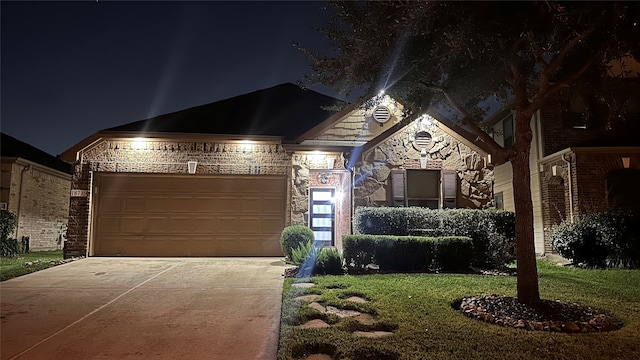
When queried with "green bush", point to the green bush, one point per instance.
{"points": [[610, 239], [9, 247], [329, 262], [293, 236], [358, 252], [454, 252], [8, 223], [404, 253], [492, 231]]}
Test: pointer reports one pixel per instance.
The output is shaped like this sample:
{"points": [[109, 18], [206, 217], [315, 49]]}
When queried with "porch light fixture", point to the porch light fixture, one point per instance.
{"points": [[316, 156], [330, 162], [139, 143], [554, 170], [423, 158], [489, 159], [626, 161], [191, 166]]}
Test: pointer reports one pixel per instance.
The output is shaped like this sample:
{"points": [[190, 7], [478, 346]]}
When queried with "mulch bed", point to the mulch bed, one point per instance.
{"points": [[555, 316]]}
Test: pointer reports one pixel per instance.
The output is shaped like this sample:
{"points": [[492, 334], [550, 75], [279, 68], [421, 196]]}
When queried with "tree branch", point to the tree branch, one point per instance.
{"points": [[537, 50], [468, 121], [559, 59]]}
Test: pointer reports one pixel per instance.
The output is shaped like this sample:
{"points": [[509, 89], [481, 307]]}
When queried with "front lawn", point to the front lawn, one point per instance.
{"points": [[23, 264], [417, 309]]}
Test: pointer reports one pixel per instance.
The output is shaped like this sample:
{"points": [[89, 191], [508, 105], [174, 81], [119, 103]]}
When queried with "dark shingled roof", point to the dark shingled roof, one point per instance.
{"points": [[284, 110], [12, 147]]}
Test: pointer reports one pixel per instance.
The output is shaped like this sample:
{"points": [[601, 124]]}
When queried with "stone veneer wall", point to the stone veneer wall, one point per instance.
{"points": [[39, 197], [372, 170], [165, 157]]}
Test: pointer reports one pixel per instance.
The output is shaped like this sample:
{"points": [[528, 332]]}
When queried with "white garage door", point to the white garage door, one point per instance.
{"points": [[187, 215]]}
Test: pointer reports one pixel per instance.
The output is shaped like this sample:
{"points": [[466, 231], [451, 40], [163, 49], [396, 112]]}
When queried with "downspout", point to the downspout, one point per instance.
{"points": [[570, 186], [24, 169]]}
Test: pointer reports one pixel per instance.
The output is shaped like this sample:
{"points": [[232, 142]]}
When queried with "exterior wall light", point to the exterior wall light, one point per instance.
{"points": [[554, 170], [139, 143], [191, 166], [626, 161], [423, 158]]}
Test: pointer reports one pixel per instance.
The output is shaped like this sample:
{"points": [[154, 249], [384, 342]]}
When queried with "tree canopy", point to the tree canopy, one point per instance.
{"points": [[462, 56]]}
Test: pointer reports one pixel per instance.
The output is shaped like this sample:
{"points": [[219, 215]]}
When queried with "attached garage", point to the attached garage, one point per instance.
{"points": [[138, 214]]}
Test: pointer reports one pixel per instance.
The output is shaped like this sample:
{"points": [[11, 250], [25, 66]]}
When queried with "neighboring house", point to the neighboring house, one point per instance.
{"points": [[224, 179], [35, 187], [577, 166]]}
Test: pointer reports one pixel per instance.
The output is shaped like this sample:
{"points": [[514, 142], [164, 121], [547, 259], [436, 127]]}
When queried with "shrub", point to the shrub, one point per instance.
{"points": [[492, 231], [329, 262], [454, 252], [9, 247], [8, 223], [305, 256], [358, 252], [404, 253], [293, 236], [610, 239]]}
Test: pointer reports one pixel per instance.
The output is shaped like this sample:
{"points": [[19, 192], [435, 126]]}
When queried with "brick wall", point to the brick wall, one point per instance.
{"points": [[39, 196], [555, 136]]}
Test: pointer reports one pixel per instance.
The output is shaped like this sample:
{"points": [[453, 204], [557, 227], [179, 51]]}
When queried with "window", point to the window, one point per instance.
{"points": [[507, 131], [499, 197], [423, 188], [432, 189]]}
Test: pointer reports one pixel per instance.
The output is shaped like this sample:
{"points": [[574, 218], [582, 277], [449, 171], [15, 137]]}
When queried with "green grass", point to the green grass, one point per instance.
{"points": [[17, 266], [417, 307]]}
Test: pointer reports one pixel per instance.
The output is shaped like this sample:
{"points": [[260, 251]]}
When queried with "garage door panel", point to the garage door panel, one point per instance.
{"points": [[133, 204], [110, 204], [173, 215], [133, 225], [109, 225]]}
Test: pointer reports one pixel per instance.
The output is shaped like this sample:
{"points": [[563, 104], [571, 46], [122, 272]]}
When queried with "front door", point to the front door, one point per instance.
{"points": [[322, 215]]}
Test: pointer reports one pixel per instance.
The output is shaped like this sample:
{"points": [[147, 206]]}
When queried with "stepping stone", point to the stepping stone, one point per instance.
{"points": [[308, 298], [357, 299], [342, 312], [365, 319], [372, 334], [318, 357], [303, 285], [317, 307], [313, 324]]}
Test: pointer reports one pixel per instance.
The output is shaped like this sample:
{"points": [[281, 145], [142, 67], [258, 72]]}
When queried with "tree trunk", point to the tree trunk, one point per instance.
{"points": [[527, 272]]}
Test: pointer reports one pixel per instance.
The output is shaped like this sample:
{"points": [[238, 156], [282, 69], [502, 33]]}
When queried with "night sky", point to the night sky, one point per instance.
{"points": [[70, 69]]}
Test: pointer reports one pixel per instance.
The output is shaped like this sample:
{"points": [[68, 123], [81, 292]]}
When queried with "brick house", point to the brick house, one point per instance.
{"points": [[224, 179], [577, 167], [35, 187]]}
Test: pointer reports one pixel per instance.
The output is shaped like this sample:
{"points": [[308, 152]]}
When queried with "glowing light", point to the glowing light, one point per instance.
{"points": [[381, 92], [317, 156], [139, 143], [246, 145]]}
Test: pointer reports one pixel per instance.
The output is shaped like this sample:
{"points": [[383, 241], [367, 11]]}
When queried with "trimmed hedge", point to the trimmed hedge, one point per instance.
{"points": [[406, 253], [610, 239], [492, 231]]}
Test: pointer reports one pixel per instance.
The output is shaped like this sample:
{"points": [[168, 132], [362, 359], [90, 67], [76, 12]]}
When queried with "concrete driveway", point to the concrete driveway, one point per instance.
{"points": [[144, 308]]}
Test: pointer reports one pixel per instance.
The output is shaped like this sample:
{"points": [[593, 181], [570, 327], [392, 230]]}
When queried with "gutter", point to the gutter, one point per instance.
{"points": [[570, 185]]}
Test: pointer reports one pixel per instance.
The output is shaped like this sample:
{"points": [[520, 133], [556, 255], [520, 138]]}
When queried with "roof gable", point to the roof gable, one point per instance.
{"points": [[285, 110], [14, 148]]}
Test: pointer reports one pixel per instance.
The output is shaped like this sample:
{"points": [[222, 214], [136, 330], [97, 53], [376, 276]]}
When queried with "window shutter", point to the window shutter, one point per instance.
{"points": [[398, 188], [450, 187]]}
